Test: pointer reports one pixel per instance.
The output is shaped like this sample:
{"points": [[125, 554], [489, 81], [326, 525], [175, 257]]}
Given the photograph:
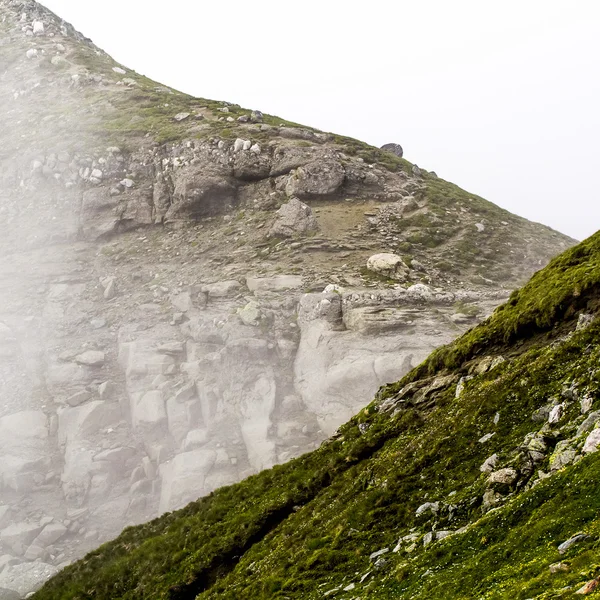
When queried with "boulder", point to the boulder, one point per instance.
{"points": [[503, 477], [18, 536], [250, 314], [394, 149], [50, 534], [200, 192], [317, 178], [388, 265], [90, 358], [293, 218], [592, 441]]}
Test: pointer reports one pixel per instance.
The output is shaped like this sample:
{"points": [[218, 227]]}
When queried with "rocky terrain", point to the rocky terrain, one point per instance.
{"points": [[193, 292], [475, 476]]}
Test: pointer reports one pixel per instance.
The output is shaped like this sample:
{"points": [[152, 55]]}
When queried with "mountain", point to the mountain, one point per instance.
{"points": [[193, 292], [475, 476]]}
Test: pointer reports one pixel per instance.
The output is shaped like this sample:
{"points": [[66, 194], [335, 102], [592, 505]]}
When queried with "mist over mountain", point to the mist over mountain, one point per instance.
{"points": [[194, 292]]}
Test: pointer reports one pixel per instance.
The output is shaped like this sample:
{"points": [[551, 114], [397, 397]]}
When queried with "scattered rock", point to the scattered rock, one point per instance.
{"points": [[181, 116], [90, 358], [576, 539], [375, 555], [428, 507], [556, 414], [489, 464], [589, 587]]}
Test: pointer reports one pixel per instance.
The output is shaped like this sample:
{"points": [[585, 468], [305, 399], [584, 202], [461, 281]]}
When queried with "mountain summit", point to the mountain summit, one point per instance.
{"points": [[193, 292]]}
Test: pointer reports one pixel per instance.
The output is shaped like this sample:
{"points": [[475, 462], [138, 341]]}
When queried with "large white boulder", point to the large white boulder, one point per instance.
{"points": [[388, 265]]}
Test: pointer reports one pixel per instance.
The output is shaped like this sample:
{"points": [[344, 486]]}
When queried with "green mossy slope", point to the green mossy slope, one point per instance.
{"points": [[308, 528]]}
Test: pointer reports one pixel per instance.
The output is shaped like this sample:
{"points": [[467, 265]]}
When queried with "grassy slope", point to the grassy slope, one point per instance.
{"points": [[303, 528]]}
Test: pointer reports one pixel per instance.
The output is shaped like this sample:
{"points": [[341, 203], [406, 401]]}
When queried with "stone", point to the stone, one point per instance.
{"points": [[79, 398], [250, 314], [388, 265], [238, 145], [50, 534], [428, 507], [314, 179], [5, 515], [589, 423], [586, 404], [292, 219], [116, 455], [195, 439], [576, 539], [375, 555], [486, 438], [504, 476], [32, 53], [394, 149], [119, 70], [90, 358], [584, 321], [256, 116], [182, 302], [592, 441], [564, 454], [589, 587], [19, 536], [559, 567], [150, 410], [489, 464], [127, 183], [38, 27], [110, 288], [181, 116], [460, 387], [222, 289], [556, 414]]}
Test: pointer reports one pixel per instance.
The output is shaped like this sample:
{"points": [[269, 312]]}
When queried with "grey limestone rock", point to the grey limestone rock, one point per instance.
{"points": [[292, 219]]}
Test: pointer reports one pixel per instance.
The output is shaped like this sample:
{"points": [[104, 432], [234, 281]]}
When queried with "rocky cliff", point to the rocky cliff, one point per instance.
{"points": [[475, 476], [193, 292]]}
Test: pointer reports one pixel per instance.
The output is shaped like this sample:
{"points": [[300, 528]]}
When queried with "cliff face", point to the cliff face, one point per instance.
{"points": [[193, 292], [475, 476]]}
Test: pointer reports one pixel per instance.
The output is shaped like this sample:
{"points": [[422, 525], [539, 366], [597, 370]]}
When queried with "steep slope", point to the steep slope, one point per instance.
{"points": [[474, 476], [192, 292]]}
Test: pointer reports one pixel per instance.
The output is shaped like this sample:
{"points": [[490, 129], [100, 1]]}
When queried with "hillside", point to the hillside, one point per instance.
{"points": [[193, 292], [465, 479]]}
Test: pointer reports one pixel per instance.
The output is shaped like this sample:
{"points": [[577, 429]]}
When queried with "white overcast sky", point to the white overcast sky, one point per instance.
{"points": [[500, 97]]}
